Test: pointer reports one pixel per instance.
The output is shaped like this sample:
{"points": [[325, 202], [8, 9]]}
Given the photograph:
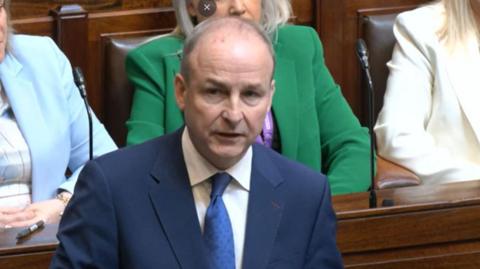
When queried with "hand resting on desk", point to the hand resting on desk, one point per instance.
{"points": [[48, 211]]}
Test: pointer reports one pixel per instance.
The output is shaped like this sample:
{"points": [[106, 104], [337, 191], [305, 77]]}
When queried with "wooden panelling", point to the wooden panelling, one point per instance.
{"points": [[303, 12], [44, 26], [450, 255], [72, 19], [32, 252], [337, 23], [108, 23], [39, 260], [38, 8], [430, 227], [368, 233]]}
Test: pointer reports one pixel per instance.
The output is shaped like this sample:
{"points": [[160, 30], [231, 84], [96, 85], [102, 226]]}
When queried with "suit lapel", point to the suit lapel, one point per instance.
{"points": [[30, 117], [285, 103], [464, 73], [265, 207], [172, 199]]}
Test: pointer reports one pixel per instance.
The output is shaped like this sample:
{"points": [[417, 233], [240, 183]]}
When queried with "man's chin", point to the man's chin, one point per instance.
{"points": [[227, 156]]}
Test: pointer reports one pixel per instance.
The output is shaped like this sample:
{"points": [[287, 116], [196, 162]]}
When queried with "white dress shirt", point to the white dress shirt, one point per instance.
{"points": [[235, 196]]}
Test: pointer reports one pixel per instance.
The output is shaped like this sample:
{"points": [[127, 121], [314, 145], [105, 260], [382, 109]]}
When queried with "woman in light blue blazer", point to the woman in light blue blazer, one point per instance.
{"points": [[43, 128]]}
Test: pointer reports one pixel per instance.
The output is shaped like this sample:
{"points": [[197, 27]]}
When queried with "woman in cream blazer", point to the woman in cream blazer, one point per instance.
{"points": [[430, 121]]}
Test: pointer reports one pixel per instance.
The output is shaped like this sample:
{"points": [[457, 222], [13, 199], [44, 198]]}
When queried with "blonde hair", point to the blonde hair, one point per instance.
{"points": [[274, 14], [10, 30], [460, 25]]}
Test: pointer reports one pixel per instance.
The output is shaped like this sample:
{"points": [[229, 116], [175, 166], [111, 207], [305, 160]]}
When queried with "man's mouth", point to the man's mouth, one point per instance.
{"points": [[229, 134]]}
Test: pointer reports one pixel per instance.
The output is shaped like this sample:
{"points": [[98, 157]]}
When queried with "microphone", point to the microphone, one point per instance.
{"points": [[362, 54], [80, 82]]}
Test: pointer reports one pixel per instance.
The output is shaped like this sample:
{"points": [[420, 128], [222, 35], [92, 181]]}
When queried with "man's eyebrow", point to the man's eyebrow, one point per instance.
{"points": [[216, 82], [220, 84]]}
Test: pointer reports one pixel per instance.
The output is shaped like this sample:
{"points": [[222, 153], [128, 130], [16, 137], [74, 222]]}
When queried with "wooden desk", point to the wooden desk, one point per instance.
{"points": [[35, 251], [430, 227]]}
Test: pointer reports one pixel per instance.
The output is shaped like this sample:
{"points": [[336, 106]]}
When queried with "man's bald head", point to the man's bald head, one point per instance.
{"points": [[225, 34]]}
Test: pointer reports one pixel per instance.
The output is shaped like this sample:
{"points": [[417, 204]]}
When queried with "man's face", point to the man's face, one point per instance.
{"points": [[227, 96]]}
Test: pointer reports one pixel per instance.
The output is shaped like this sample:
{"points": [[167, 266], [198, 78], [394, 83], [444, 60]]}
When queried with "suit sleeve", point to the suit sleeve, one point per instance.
{"points": [[345, 145], [147, 114], [322, 250], [87, 231], [78, 125], [401, 127]]}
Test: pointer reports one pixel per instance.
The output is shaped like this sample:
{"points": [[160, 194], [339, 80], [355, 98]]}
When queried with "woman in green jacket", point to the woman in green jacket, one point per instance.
{"points": [[312, 122]]}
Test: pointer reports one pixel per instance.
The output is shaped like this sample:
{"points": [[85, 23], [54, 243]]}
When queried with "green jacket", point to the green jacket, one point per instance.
{"points": [[315, 123]]}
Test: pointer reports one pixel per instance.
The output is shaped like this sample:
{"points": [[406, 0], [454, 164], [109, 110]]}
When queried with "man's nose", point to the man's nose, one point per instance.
{"points": [[233, 113]]}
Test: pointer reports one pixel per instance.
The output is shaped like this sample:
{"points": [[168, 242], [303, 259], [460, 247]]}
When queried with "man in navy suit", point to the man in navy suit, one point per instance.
{"points": [[204, 196]]}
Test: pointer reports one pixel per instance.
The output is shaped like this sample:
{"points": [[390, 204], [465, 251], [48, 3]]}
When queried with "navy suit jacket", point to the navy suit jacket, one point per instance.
{"points": [[134, 208]]}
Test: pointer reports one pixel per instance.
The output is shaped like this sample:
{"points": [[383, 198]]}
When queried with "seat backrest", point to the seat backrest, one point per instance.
{"points": [[380, 41], [118, 90], [379, 38]]}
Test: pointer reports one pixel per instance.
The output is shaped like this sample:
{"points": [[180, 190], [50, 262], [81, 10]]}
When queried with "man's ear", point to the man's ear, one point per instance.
{"points": [[272, 92], [180, 91]]}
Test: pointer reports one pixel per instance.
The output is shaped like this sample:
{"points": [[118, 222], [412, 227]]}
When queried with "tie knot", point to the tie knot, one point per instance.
{"points": [[220, 182]]}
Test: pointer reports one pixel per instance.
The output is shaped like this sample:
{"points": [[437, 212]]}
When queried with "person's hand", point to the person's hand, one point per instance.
{"points": [[49, 211], [15, 217]]}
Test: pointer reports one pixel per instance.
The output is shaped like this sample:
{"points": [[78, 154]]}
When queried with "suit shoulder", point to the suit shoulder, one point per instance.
{"points": [[139, 154], [298, 41], [164, 46], [423, 20], [296, 182], [296, 34], [23, 44], [130, 153], [30, 40], [289, 30], [293, 172]]}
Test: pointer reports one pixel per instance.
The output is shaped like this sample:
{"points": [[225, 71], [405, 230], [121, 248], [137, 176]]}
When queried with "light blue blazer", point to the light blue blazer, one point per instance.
{"points": [[38, 81]]}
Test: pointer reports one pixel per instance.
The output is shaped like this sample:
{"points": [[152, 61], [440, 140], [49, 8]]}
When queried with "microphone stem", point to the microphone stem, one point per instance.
{"points": [[90, 130], [80, 83], [370, 95]]}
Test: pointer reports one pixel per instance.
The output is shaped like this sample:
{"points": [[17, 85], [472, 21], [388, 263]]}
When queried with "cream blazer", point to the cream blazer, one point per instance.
{"points": [[430, 121]]}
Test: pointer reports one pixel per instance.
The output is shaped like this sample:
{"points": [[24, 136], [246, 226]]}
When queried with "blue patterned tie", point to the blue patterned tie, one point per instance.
{"points": [[217, 232]]}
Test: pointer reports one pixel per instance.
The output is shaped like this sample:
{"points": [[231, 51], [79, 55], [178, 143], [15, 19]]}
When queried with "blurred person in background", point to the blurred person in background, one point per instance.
{"points": [[430, 121], [43, 128]]}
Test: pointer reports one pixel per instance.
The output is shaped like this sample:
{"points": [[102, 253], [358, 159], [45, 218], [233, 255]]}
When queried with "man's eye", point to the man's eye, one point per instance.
{"points": [[251, 94], [212, 91], [252, 97], [213, 95]]}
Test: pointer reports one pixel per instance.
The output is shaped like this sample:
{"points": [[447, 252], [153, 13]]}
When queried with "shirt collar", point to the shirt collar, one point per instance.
{"points": [[199, 169]]}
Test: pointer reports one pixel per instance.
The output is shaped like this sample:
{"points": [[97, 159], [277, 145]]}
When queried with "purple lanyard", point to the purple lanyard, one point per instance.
{"points": [[266, 137]]}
